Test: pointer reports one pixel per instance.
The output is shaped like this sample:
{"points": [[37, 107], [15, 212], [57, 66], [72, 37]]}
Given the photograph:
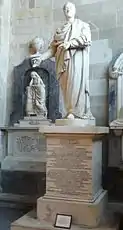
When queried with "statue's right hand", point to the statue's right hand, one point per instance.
{"points": [[56, 43]]}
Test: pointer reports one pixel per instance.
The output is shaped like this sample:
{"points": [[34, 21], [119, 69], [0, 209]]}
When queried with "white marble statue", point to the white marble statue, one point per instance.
{"points": [[116, 74], [36, 97], [70, 47], [35, 47]]}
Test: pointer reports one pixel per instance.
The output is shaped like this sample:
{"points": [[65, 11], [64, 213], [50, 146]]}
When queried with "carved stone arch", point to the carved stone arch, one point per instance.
{"points": [[21, 80]]}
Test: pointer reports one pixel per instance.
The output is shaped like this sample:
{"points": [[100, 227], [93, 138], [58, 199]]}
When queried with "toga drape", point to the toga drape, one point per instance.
{"points": [[36, 98], [72, 67]]}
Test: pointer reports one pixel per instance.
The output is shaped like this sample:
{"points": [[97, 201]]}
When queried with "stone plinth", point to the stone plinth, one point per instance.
{"points": [[76, 122], [25, 150], [29, 222], [25, 147], [24, 162], [32, 121], [73, 174]]}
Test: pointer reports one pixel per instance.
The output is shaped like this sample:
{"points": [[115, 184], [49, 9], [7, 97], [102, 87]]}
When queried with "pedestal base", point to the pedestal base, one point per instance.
{"points": [[24, 165], [33, 121], [26, 150], [73, 178], [76, 122], [117, 124], [29, 222], [83, 213]]}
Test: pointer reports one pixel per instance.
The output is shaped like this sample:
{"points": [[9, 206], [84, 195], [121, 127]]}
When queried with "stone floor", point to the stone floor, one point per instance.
{"points": [[8, 215]]}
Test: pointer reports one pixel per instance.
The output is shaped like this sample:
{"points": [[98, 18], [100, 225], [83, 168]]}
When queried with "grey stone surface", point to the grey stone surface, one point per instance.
{"points": [[112, 100], [98, 71], [94, 86], [8, 215], [31, 4], [101, 114], [26, 143], [120, 17], [97, 167], [95, 35], [99, 100], [104, 55], [114, 156], [25, 150], [23, 183]]}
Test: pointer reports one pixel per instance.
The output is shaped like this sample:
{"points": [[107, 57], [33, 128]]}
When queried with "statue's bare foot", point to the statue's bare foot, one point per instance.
{"points": [[70, 116]]}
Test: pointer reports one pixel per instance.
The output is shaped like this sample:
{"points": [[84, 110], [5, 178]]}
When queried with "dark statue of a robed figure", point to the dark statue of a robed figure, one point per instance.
{"points": [[48, 86]]}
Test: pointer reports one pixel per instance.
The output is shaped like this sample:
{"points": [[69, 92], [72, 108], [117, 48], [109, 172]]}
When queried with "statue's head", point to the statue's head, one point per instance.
{"points": [[35, 77], [69, 10], [36, 45]]}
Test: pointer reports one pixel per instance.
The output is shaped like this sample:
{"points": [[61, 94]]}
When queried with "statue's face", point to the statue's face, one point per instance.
{"points": [[34, 78], [36, 45], [69, 10]]}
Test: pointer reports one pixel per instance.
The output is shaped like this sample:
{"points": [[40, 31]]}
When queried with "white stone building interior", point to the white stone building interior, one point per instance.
{"points": [[61, 114]]}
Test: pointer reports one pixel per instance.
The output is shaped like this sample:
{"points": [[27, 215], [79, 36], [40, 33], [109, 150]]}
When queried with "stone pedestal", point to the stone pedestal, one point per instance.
{"points": [[26, 148], [24, 161], [73, 175], [76, 122], [32, 121], [73, 181]]}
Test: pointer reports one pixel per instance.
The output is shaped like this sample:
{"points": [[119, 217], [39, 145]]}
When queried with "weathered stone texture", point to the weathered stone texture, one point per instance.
{"points": [[76, 155], [73, 175]]}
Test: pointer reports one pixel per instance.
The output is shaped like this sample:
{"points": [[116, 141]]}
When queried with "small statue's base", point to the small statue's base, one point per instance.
{"points": [[76, 122], [117, 124], [25, 157], [33, 121]]}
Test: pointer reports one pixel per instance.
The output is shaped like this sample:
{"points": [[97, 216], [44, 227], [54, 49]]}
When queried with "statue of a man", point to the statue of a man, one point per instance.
{"points": [[35, 105], [70, 47]]}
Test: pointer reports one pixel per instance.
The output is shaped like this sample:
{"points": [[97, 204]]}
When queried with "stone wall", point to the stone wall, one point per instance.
{"points": [[5, 8], [35, 17]]}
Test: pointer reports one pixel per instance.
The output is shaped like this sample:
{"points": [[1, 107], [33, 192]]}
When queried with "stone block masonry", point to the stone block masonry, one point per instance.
{"points": [[73, 175], [71, 159]]}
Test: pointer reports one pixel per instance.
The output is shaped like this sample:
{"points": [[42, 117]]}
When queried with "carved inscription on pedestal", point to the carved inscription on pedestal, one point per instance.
{"points": [[69, 157], [69, 169], [26, 143]]}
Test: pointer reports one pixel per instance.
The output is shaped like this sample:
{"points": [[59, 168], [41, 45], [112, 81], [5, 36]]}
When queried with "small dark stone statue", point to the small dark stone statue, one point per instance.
{"points": [[22, 78]]}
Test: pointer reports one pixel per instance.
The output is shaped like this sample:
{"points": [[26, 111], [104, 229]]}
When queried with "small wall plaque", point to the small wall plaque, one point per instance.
{"points": [[63, 221]]}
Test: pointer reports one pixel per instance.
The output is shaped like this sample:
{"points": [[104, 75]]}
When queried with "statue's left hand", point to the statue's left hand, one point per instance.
{"points": [[65, 45]]}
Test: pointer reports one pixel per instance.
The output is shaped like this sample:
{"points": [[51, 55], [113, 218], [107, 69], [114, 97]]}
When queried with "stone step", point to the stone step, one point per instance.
{"points": [[25, 163], [30, 222], [17, 198]]}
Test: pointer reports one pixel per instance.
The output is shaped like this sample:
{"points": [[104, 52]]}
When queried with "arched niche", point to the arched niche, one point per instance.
{"points": [[21, 80]]}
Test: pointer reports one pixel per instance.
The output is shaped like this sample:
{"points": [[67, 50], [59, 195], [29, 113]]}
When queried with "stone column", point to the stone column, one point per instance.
{"points": [[73, 175]]}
